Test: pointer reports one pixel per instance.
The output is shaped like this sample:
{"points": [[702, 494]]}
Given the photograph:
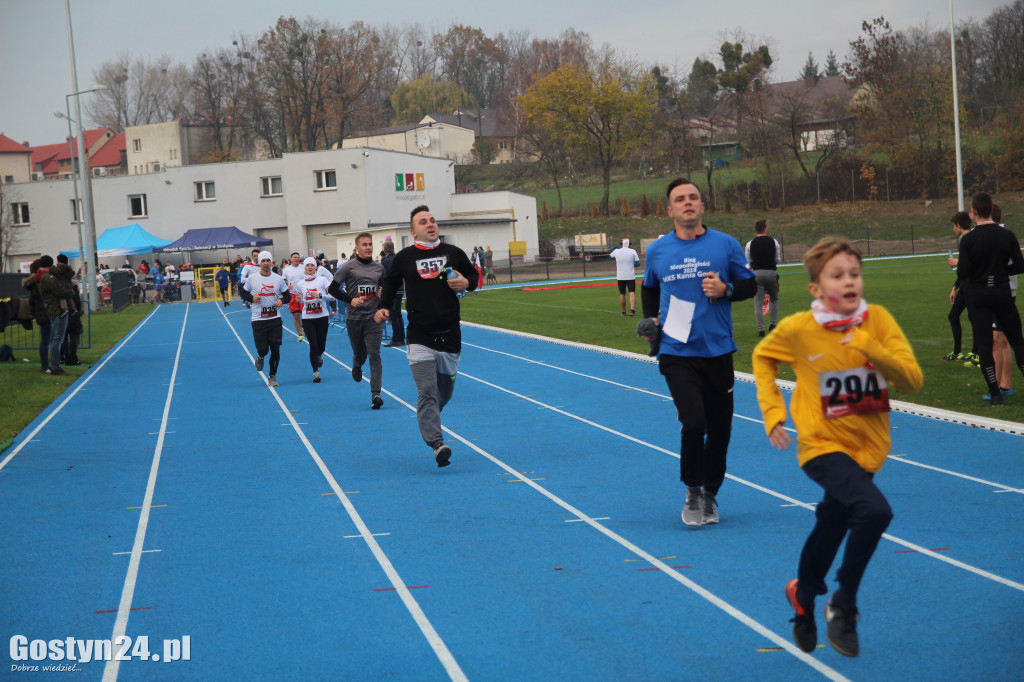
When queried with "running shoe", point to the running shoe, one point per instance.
{"points": [[259, 363], [1005, 392], [442, 455], [995, 400], [357, 373], [623, 313], [954, 357], [376, 402], [708, 508], [632, 313], [316, 377], [972, 360], [805, 630], [57, 372], [319, 361], [842, 629], [692, 511], [272, 381]]}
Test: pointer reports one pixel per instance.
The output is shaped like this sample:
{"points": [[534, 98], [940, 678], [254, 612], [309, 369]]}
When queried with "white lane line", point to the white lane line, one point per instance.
{"points": [[781, 642], [441, 650], [900, 406], [893, 458], [128, 591], [767, 491], [86, 378]]}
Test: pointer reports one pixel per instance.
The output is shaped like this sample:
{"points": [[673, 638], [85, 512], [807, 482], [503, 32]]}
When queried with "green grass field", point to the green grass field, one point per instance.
{"points": [[915, 290], [25, 392]]}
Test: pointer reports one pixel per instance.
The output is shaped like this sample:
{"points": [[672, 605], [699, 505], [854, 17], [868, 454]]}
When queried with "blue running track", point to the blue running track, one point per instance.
{"points": [[172, 498]]}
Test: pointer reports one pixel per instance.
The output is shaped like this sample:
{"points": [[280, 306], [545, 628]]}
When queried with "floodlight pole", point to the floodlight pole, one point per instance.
{"points": [[956, 113], [78, 206], [90, 228]]}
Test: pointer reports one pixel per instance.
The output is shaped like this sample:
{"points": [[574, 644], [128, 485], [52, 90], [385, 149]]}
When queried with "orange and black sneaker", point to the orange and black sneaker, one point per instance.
{"points": [[805, 630]]}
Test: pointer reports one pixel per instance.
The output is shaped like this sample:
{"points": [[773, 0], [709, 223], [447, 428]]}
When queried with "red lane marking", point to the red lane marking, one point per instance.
{"points": [[913, 551], [658, 569], [137, 608], [392, 589], [570, 286]]}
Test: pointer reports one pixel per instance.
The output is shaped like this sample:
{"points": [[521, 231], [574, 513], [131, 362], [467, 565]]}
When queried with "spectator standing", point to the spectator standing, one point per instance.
{"points": [[35, 299], [626, 260], [73, 334], [989, 254], [1000, 346], [958, 295], [763, 256], [55, 288], [488, 263]]}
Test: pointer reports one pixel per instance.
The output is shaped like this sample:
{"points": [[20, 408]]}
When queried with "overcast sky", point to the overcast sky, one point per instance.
{"points": [[35, 72]]}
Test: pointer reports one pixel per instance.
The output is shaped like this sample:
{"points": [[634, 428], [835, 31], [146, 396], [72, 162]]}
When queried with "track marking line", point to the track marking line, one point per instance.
{"points": [[145, 551], [110, 670], [696, 588], [434, 639], [593, 518], [785, 498], [375, 535], [152, 506], [81, 382]]}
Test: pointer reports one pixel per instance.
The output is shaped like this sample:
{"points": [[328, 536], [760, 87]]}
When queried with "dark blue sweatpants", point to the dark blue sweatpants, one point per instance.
{"points": [[853, 506]]}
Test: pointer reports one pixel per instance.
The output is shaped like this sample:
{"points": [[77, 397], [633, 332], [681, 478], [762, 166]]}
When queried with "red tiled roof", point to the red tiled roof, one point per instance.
{"points": [[48, 155], [9, 145], [110, 154]]}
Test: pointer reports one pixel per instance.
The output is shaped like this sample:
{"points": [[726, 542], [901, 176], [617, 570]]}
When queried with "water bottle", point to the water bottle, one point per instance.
{"points": [[451, 274]]}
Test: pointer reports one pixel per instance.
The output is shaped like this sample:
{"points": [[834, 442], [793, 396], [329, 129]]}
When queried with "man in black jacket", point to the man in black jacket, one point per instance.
{"points": [[434, 274], [989, 254]]}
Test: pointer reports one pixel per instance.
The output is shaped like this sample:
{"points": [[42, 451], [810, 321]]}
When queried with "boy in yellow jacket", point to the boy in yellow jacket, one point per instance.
{"points": [[845, 354]]}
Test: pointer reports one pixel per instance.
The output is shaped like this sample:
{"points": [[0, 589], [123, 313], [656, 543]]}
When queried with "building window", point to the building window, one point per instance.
{"points": [[326, 179], [137, 203], [205, 191], [137, 145], [271, 186], [503, 144], [76, 210], [20, 212]]}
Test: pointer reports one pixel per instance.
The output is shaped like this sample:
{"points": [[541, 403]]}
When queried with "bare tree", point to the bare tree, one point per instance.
{"points": [[137, 92]]}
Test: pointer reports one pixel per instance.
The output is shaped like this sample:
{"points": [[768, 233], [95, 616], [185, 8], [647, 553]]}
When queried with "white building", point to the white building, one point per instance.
{"points": [[304, 201]]}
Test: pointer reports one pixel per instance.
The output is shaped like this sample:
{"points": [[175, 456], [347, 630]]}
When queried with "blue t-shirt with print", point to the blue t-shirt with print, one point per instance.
{"points": [[677, 266]]}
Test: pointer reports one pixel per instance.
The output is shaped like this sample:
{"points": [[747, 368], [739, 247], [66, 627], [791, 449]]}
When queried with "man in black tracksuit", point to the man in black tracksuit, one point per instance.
{"points": [[434, 273], [989, 254]]}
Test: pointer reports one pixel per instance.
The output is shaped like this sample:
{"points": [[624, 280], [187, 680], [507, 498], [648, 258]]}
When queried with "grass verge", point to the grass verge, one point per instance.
{"points": [[915, 291], [25, 392]]}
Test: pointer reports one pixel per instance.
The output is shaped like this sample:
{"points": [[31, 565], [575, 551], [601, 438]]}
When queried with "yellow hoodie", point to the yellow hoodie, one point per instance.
{"points": [[840, 403]]}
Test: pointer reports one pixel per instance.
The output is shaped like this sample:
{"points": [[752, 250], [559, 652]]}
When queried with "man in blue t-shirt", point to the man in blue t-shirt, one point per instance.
{"points": [[692, 275]]}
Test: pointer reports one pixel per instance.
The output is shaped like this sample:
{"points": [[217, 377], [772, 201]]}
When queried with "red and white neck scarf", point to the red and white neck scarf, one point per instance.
{"points": [[830, 320]]}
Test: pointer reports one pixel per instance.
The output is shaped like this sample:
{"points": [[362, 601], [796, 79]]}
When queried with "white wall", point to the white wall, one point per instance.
{"points": [[366, 198]]}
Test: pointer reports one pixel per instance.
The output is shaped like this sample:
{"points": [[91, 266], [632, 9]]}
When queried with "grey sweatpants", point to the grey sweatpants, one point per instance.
{"points": [[767, 280], [365, 337], [434, 373]]}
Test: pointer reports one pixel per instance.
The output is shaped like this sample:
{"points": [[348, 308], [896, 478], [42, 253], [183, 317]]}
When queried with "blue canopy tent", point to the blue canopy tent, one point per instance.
{"points": [[123, 241], [214, 239]]}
